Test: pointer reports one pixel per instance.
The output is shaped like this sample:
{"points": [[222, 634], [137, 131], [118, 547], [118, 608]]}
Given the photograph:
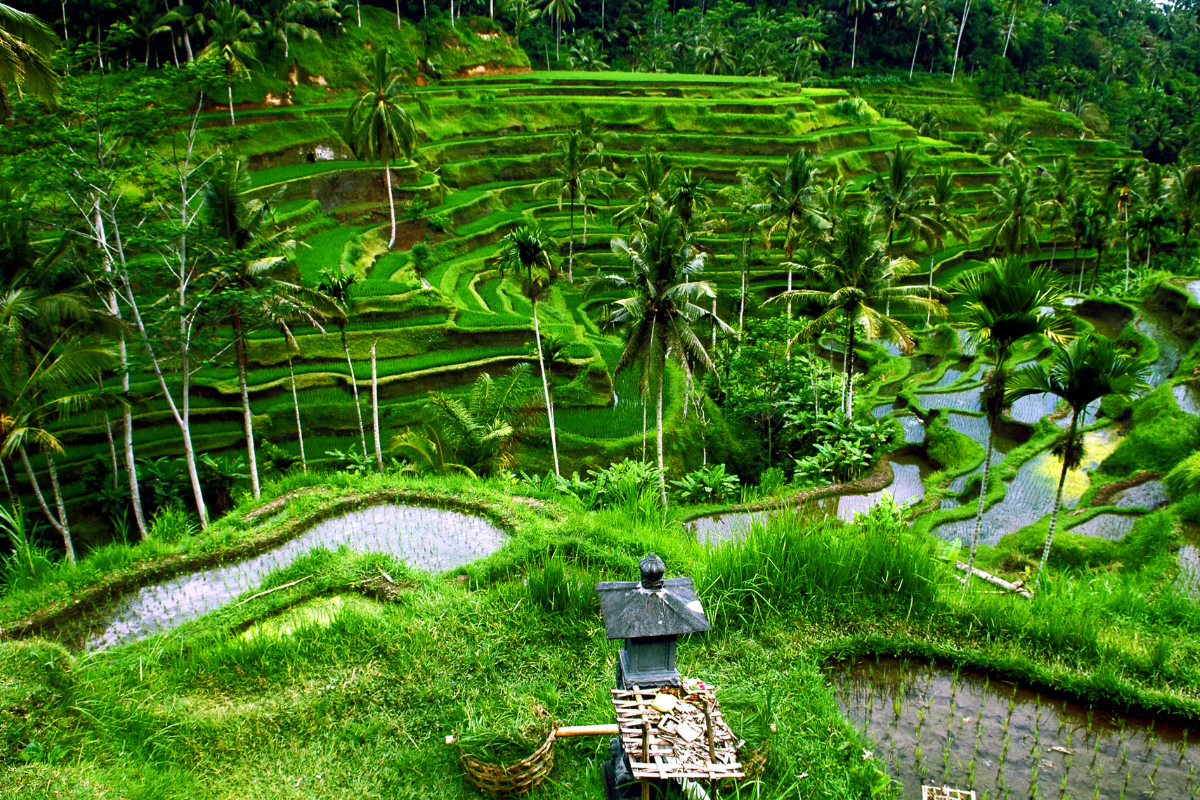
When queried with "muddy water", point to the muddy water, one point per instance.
{"points": [[1030, 494], [909, 473], [936, 726], [1149, 495], [424, 538]]}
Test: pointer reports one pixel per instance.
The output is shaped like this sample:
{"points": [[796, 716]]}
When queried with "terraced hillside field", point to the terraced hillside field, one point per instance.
{"points": [[442, 314]]}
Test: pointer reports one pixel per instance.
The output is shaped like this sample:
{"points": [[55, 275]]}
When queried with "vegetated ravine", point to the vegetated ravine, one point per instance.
{"points": [[429, 539]]}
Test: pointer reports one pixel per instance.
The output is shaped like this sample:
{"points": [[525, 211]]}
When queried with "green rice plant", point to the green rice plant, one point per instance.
{"points": [[560, 589]]}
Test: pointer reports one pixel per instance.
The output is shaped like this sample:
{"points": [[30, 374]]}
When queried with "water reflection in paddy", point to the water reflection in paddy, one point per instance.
{"points": [[1030, 494], [936, 726], [425, 538]]}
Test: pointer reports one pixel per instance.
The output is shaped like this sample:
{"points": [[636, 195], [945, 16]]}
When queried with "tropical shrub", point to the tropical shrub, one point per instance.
{"points": [[709, 484], [171, 524], [845, 451]]}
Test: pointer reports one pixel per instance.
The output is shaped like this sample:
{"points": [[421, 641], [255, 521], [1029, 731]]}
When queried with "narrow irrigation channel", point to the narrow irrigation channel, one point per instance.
{"points": [[939, 726], [429, 539]]}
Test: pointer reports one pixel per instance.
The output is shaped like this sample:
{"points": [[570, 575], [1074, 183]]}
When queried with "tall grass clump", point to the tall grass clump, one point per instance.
{"points": [[785, 563], [559, 588]]}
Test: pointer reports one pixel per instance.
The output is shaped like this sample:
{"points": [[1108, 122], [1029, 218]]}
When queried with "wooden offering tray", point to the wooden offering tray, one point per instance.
{"points": [[673, 732], [946, 793]]}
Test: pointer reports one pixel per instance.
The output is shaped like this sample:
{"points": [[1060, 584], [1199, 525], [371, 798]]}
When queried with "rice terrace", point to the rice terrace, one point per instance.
{"points": [[610, 400]]}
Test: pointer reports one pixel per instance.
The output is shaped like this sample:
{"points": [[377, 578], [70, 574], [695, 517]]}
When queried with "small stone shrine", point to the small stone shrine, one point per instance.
{"points": [[671, 728]]}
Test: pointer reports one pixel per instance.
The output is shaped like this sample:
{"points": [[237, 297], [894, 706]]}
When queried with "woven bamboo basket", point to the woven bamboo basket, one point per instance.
{"points": [[510, 780]]}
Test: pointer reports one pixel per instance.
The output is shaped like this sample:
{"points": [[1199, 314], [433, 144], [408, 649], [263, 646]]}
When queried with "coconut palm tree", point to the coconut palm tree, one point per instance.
{"points": [[1080, 373], [1062, 182], [579, 171], [1184, 195], [647, 186], [526, 252], [860, 277], [559, 12], [791, 202], [1006, 144], [284, 20], [377, 127], [26, 45], [251, 250], [958, 41], [1006, 301], [1014, 213], [230, 29], [855, 8], [659, 307], [339, 287], [1123, 185], [903, 203], [923, 12], [58, 384]]}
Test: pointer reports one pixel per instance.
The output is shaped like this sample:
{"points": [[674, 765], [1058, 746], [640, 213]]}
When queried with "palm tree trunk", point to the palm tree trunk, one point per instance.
{"points": [[387, 174], [398, 13], [1096, 269], [916, 47], [375, 410], [854, 43], [232, 120], [1126, 247], [850, 376], [662, 470], [1062, 480], [983, 487], [299, 427], [787, 254], [1146, 268], [362, 431], [1012, 21], [358, 11], [58, 524], [714, 324], [537, 335], [958, 44], [112, 447], [12, 495], [1075, 260], [571, 243], [239, 347]]}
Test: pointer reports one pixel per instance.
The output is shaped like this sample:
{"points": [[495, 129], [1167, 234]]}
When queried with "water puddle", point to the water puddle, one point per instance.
{"points": [[1106, 526], [1030, 494], [1149, 495], [937, 726], [907, 485], [425, 538]]}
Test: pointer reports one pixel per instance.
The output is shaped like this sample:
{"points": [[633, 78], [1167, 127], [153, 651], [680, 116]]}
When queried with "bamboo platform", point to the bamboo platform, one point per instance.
{"points": [[691, 741]]}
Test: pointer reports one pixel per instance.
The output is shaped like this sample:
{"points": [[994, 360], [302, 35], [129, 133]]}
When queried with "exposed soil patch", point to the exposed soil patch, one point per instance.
{"points": [[490, 68]]}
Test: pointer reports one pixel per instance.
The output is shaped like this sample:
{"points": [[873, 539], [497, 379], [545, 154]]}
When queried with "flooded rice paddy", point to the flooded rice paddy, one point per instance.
{"points": [[429, 539], [937, 726], [907, 485], [1030, 494]]}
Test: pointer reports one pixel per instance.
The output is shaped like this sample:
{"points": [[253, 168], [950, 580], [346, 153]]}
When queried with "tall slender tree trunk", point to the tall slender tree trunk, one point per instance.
{"points": [[1096, 269], [662, 469], [850, 375], [788, 255], [58, 523], [983, 488], [537, 335], [958, 44], [362, 431], [387, 173], [1062, 480], [232, 120], [8, 487], [714, 324], [112, 448], [358, 11], [1146, 268], [571, 243], [398, 13], [375, 410], [299, 427], [239, 347], [854, 42], [917, 46], [1012, 21], [1127, 247]]}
